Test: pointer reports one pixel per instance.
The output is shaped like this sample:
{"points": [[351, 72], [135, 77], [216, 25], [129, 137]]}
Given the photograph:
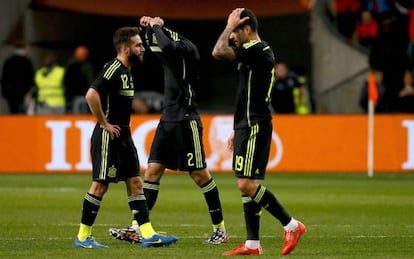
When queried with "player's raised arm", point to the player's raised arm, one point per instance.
{"points": [[222, 49]]}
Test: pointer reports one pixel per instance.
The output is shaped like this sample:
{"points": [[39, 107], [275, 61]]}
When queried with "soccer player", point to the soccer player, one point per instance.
{"points": [[178, 144], [252, 133], [114, 156]]}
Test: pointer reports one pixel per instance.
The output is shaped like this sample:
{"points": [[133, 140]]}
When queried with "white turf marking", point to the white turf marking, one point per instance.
{"points": [[206, 235], [316, 226]]}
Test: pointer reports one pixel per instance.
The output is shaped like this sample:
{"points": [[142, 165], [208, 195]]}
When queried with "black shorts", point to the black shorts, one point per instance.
{"points": [[251, 150], [113, 160], [179, 145]]}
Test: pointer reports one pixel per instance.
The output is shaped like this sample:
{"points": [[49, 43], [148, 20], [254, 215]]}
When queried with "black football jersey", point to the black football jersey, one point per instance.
{"points": [[255, 81], [180, 61], [116, 90]]}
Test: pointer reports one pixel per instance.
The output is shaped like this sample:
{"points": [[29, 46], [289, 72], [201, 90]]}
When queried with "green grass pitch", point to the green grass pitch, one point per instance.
{"points": [[347, 216]]}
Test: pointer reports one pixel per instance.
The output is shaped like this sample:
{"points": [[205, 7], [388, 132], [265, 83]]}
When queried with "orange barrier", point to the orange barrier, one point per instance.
{"points": [[318, 143]]}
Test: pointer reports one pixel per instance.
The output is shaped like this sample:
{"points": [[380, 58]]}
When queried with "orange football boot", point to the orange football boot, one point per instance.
{"points": [[291, 238], [243, 250]]}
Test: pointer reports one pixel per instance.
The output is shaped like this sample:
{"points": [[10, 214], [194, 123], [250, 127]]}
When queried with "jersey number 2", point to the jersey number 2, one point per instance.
{"points": [[190, 158]]}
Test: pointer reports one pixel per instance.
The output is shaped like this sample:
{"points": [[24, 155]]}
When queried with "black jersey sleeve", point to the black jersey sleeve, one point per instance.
{"points": [[106, 77], [169, 40], [101, 83]]}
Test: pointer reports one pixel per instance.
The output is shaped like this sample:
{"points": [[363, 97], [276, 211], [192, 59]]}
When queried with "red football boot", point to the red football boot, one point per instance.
{"points": [[291, 238]]}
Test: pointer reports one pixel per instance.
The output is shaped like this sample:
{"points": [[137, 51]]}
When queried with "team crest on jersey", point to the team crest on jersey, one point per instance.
{"points": [[112, 171]]}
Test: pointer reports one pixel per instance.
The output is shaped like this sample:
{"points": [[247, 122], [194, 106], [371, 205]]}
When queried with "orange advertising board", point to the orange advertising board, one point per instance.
{"points": [[318, 143]]}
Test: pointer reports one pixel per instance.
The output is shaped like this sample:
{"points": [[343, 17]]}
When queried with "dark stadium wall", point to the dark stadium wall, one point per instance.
{"points": [[288, 35], [175, 9]]}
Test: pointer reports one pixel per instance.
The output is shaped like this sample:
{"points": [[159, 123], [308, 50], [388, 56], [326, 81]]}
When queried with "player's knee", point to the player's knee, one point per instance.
{"points": [[98, 188], [135, 183], [154, 172], [200, 177], [247, 186]]}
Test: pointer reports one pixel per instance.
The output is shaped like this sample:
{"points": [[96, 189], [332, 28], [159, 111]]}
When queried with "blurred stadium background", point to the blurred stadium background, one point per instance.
{"points": [[291, 29]]}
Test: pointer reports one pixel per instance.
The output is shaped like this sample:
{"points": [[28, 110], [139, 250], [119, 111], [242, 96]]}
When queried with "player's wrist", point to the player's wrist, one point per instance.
{"points": [[229, 28], [104, 123]]}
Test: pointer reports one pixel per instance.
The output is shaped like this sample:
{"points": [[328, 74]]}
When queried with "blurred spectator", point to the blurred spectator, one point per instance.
{"points": [[389, 53], [408, 9], [346, 13], [79, 75], [386, 27], [410, 46], [406, 94], [287, 91], [381, 9], [18, 74], [367, 30], [304, 102], [384, 13], [50, 94]]}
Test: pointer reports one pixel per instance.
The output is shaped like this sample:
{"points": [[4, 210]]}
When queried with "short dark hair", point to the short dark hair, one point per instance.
{"points": [[123, 36], [252, 21]]}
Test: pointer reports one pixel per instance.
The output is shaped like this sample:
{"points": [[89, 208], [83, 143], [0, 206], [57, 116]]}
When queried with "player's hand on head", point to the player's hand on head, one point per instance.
{"points": [[234, 18], [145, 21], [157, 21]]}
